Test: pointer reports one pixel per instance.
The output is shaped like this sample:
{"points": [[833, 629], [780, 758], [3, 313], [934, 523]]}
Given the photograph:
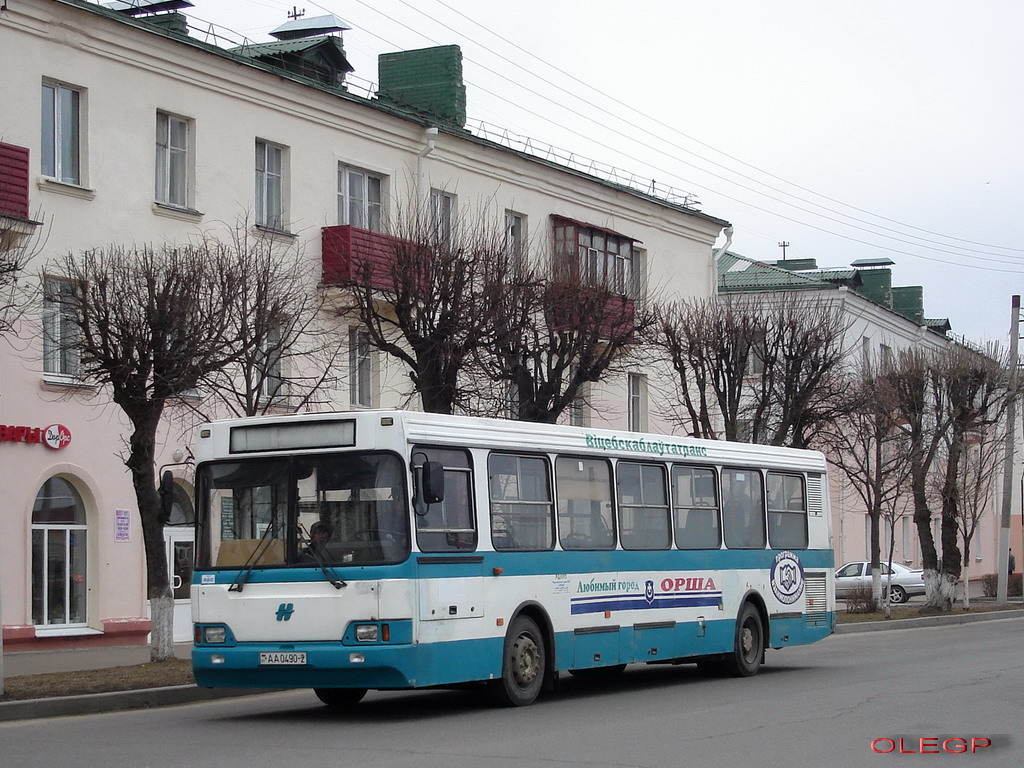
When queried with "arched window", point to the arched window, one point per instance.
{"points": [[182, 510], [59, 546]]}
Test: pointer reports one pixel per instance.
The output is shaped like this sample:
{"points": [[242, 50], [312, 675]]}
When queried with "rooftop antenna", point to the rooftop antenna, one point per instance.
{"points": [[784, 245], [295, 13]]}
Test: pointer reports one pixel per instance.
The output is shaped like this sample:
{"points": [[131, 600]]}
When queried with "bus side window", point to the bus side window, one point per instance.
{"points": [[522, 515], [584, 492], [643, 506], [787, 512], [448, 525], [695, 507], [743, 508]]}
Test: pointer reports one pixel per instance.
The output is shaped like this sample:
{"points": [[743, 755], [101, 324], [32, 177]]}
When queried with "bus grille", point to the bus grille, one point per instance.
{"points": [[815, 494], [817, 601]]}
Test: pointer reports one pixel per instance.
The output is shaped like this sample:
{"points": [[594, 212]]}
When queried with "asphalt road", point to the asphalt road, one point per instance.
{"points": [[814, 706]]}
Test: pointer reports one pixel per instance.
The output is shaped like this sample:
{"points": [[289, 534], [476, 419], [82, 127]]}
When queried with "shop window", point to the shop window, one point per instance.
{"points": [[59, 551]]}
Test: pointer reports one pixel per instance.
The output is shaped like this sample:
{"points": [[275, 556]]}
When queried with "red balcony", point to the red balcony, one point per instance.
{"points": [[13, 181], [349, 251]]}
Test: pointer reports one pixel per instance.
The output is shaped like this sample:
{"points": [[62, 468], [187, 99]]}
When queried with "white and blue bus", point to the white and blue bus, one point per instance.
{"points": [[394, 550]]}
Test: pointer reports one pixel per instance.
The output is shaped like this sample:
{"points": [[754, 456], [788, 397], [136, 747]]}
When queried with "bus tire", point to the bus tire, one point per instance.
{"points": [[340, 698], [523, 665], [745, 660]]}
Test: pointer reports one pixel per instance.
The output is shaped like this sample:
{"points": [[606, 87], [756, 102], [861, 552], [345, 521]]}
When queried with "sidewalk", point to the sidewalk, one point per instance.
{"points": [[40, 662]]}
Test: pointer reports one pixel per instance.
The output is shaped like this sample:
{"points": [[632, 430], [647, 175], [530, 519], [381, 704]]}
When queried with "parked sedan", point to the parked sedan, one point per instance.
{"points": [[904, 582]]}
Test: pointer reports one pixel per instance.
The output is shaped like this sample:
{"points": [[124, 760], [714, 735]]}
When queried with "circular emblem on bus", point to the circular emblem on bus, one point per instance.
{"points": [[787, 577], [56, 436]]}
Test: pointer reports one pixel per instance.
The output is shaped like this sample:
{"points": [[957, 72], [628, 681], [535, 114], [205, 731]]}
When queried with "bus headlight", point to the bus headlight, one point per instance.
{"points": [[367, 633], [214, 634]]}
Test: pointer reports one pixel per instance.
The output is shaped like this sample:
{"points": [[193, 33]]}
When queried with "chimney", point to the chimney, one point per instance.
{"points": [[427, 81]]}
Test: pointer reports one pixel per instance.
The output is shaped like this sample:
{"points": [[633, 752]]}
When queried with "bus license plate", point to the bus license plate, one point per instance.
{"points": [[282, 658]]}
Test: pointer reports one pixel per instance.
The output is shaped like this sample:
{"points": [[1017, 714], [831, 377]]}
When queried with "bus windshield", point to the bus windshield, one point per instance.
{"points": [[303, 511]]}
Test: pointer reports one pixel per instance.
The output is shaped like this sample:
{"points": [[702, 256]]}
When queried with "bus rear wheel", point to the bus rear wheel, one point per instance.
{"points": [[523, 666], [340, 698], [745, 660]]}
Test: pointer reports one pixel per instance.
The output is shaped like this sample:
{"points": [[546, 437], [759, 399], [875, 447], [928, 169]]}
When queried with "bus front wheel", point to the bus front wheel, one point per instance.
{"points": [[340, 698], [523, 666], [745, 660]]}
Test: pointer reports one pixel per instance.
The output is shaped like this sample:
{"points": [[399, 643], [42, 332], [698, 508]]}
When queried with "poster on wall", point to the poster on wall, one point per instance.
{"points": [[122, 525]]}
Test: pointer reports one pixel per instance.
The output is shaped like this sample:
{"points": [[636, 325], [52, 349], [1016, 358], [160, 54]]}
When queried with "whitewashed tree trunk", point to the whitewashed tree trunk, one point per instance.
{"points": [[939, 589], [162, 638]]}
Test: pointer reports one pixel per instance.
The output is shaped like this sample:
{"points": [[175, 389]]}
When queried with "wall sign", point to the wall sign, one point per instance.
{"points": [[122, 525], [55, 436]]}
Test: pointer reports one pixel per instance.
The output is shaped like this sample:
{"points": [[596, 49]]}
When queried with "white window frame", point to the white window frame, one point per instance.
{"points": [[63, 530], [61, 357], [62, 155], [636, 386], [271, 174], [515, 237], [579, 410], [367, 210], [442, 211], [173, 161], [362, 392]]}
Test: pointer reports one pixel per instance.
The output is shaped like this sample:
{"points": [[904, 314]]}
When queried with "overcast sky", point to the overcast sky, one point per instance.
{"points": [[850, 130]]}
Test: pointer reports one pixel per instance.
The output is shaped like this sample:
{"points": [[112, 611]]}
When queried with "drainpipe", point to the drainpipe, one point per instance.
{"points": [[714, 259], [423, 190]]}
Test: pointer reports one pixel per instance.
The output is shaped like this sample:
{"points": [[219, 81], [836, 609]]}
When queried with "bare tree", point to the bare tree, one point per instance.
{"points": [[290, 358], [764, 369], [553, 336], [152, 323], [942, 398], [18, 245], [427, 301], [864, 443]]}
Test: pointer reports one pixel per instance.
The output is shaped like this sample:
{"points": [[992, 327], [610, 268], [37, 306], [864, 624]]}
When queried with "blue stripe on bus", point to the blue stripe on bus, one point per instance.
{"points": [[623, 603], [534, 564]]}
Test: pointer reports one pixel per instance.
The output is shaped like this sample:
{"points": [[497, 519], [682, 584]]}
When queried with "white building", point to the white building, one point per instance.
{"points": [[883, 319], [127, 129]]}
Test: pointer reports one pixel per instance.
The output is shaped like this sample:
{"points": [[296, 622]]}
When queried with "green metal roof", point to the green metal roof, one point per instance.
{"points": [[737, 273]]}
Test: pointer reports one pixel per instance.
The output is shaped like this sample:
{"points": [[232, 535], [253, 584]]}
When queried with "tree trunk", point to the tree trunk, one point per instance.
{"points": [[142, 465]]}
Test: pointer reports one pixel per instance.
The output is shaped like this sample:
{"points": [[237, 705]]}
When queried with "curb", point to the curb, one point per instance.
{"points": [[118, 701], [926, 621]]}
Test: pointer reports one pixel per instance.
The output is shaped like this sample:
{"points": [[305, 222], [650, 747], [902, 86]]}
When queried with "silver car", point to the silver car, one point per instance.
{"points": [[904, 583]]}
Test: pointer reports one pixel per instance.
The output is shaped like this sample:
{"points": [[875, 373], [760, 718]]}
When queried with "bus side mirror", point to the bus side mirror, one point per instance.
{"points": [[166, 491], [429, 485]]}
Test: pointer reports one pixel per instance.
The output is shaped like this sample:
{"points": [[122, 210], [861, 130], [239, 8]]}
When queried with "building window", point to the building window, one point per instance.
{"points": [[579, 410], [515, 232], [637, 286], [59, 546], [637, 385], [62, 133], [172, 160], [359, 198], [60, 331], [360, 369], [269, 185], [442, 208], [594, 256], [271, 368]]}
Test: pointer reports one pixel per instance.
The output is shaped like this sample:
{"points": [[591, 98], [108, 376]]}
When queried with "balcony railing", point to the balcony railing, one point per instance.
{"points": [[13, 181], [349, 251]]}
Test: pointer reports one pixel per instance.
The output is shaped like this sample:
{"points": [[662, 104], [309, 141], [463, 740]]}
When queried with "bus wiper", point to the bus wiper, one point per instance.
{"points": [[262, 546], [325, 568]]}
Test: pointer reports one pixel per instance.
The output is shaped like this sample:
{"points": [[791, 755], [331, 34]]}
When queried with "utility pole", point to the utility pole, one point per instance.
{"points": [[1002, 556], [784, 245]]}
